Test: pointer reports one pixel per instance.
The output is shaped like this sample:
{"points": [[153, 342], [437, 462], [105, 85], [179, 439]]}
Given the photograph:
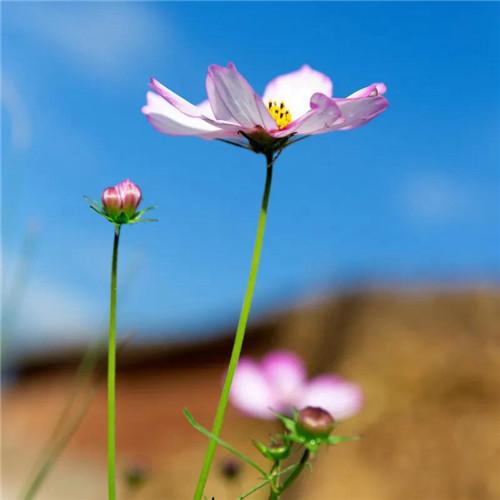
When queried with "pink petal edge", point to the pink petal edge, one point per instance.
{"points": [[324, 114], [341, 398]]}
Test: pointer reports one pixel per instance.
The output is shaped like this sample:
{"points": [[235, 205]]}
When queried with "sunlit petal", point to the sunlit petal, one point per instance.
{"points": [[169, 120], [286, 373], [251, 391], [341, 398], [296, 88], [233, 99]]}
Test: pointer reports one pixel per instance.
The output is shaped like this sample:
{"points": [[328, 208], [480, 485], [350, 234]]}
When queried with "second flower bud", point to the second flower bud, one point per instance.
{"points": [[120, 202]]}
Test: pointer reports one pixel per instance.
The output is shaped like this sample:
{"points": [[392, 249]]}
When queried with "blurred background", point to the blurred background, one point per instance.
{"points": [[381, 261]]}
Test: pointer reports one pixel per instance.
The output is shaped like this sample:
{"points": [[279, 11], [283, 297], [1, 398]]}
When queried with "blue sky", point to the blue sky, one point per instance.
{"points": [[412, 197]]}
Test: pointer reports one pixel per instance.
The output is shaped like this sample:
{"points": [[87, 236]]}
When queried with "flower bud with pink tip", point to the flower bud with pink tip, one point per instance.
{"points": [[130, 195], [111, 201], [120, 204]]}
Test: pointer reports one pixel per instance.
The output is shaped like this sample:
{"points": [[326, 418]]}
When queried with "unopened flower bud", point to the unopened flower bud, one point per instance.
{"points": [[315, 421], [111, 201], [279, 451], [130, 195]]}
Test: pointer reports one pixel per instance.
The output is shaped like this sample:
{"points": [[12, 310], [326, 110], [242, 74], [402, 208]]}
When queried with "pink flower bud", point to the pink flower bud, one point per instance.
{"points": [[315, 421], [111, 201], [130, 195]]}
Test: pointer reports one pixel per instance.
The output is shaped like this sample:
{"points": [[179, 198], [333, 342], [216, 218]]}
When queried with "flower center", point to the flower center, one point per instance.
{"points": [[279, 113]]}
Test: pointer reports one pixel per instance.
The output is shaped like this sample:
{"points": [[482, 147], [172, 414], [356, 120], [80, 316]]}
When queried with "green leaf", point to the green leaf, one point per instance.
{"points": [[222, 443]]}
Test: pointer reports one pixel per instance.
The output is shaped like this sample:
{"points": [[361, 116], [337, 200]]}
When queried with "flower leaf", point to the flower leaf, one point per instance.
{"points": [[222, 443]]}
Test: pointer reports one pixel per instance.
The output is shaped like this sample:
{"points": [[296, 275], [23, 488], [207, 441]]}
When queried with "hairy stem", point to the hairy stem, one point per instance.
{"points": [[240, 334]]}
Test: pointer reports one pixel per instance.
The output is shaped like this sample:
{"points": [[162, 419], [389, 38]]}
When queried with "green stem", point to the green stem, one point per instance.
{"points": [[268, 480], [240, 334], [112, 373], [275, 483], [295, 473]]}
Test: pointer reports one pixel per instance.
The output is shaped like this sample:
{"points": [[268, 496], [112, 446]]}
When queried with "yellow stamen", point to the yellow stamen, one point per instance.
{"points": [[279, 113]]}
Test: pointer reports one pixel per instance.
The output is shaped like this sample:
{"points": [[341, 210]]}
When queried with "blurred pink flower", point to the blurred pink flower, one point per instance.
{"points": [[279, 383], [297, 103]]}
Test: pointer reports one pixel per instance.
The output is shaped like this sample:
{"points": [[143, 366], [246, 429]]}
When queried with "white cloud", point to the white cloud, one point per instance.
{"points": [[104, 39], [434, 198], [16, 107], [46, 314], [55, 312]]}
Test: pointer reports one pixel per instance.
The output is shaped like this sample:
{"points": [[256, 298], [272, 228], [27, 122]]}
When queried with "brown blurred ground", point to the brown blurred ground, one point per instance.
{"points": [[428, 363]]}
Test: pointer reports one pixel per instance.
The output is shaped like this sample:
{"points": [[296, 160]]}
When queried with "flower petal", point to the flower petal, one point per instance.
{"points": [[203, 110], [286, 373], [371, 91], [233, 99], [296, 88], [169, 120], [324, 114], [341, 398], [358, 111], [175, 100], [251, 391], [206, 109]]}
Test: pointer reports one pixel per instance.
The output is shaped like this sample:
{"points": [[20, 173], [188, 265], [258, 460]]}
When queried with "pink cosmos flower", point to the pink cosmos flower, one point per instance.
{"points": [[296, 104], [278, 383]]}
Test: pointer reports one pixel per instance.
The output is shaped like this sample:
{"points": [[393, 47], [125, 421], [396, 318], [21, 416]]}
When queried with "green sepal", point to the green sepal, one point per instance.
{"points": [[313, 444], [333, 440], [140, 213], [289, 423], [143, 219], [122, 217], [263, 449], [275, 452]]}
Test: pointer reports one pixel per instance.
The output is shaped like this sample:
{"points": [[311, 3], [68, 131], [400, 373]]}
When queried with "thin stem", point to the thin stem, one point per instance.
{"points": [[223, 443], [268, 480], [295, 473], [240, 334], [112, 372], [254, 489], [275, 475]]}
